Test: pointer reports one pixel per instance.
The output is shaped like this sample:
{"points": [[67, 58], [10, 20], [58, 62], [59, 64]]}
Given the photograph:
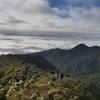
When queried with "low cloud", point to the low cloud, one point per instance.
{"points": [[29, 44]]}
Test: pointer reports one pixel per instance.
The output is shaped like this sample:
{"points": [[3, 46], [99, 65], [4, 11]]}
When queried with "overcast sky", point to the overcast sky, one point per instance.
{"points": [[36, 25], [82, 16]]}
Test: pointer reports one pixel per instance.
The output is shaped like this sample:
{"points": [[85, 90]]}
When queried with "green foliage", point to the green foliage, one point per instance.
{"points": [[37, 84]]}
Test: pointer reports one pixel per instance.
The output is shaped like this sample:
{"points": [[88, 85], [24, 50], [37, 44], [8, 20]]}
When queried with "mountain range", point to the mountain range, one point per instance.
{"points": [[77, 65], [76, 61]]}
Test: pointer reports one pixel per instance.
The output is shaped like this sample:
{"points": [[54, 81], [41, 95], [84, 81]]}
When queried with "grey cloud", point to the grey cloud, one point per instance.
{"points": [[13, 20], [36, 15]]}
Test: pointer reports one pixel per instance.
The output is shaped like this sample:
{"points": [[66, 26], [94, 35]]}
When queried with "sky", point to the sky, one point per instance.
{"points": [[36, 25], [82, 16]]}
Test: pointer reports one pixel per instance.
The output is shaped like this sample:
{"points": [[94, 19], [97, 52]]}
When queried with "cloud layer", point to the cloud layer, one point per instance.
{"points": [[81, 16], [29, 44]]}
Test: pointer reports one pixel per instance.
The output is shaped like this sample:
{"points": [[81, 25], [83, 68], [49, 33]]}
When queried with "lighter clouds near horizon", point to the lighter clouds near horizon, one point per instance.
{"points": [[33, 15], [29, 44]]}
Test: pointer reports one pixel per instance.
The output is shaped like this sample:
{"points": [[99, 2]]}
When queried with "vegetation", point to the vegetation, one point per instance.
{"points": [[24, 78], [24, 81]]}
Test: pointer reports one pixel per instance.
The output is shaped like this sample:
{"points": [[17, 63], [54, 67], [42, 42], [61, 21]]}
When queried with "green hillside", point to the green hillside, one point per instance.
{"points": [[22, 80]]}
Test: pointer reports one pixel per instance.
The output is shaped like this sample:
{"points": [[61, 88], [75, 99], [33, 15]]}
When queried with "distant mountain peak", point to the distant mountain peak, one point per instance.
{"points": [[81, 46]]}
